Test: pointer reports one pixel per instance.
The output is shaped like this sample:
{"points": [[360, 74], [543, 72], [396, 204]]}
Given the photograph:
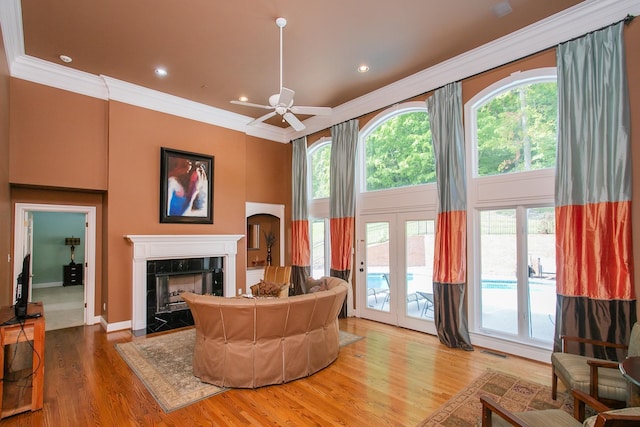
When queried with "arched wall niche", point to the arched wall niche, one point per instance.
{"points": [[268, 217]]}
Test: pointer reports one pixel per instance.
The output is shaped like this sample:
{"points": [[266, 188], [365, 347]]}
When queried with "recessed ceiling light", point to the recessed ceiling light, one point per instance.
{"points": [[161, 72], [501, 9], [65, 58], [243, 99], [363, 68]]}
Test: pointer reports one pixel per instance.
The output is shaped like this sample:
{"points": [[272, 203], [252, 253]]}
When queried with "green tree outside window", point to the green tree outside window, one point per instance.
{"points": [[517, 130]]}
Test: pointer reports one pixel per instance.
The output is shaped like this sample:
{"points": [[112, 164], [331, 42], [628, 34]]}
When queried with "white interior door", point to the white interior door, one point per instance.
{"points": [[28, 248], [23, 245]]}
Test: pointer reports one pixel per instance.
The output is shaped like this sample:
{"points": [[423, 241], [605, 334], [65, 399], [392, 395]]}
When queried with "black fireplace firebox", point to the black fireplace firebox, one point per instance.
{"points": [[168, 278]]}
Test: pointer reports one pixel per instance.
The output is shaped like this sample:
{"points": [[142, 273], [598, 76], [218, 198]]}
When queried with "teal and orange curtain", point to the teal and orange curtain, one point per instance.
{"points": [[301, 255], [450, 252], [595, 290], [342, 199]]}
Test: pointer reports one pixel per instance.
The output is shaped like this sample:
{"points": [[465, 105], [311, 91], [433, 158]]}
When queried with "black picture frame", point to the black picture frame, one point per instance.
{"points": [[186, 187]]}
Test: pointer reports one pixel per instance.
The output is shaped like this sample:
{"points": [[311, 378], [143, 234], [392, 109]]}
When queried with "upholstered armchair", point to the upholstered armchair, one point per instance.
{"points": [[278, 275], [602, 379], [493, 414]]}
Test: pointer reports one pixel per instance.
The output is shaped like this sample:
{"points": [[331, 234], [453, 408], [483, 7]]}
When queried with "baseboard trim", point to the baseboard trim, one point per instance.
{"points": [[112, 327], [46, 285]]}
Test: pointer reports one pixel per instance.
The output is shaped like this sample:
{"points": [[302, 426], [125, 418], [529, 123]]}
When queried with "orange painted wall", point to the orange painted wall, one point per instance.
{"points": [[119, 151], [135, 138], [269, 179], [118, 147], [58, 138], [632, 41], [245, 169], [5, 196]]}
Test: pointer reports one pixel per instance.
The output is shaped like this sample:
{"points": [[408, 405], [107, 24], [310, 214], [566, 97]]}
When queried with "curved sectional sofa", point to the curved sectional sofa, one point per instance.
{"points": [[253, 342]]}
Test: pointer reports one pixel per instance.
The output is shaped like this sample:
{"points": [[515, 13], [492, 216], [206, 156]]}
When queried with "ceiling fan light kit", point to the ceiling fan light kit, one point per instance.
{"points": [[282, 103]]}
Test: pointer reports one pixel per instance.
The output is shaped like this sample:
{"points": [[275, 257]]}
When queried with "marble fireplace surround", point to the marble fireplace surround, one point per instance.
{"points": [[154, 247]]}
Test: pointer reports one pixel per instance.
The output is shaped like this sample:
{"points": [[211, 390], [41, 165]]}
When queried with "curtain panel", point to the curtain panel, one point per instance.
{"points": [[301, 256], [450, 253], [595, 290], [342, 199]]}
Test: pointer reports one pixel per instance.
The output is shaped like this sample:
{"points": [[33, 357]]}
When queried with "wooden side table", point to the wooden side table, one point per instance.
{"points": [[30, 329], [630, 368]]}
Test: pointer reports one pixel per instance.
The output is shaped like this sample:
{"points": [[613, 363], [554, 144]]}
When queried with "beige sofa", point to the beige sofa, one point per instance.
{"points": [[252, 342]]}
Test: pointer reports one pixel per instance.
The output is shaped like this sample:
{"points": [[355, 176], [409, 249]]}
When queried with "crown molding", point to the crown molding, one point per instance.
{"points": [[12, 34], [587, 16], [47, 73], [154, 100]]}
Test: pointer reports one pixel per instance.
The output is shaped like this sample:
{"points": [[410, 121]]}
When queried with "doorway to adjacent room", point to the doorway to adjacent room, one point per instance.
{"points": [[61, 239]]}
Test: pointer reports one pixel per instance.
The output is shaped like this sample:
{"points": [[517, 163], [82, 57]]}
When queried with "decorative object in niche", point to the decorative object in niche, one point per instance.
{"points": [[186, 187], [270, 239], [253, 236]]}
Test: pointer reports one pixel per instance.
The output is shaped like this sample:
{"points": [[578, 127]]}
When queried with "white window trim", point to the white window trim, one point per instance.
{"points": [[403, 200], [319, 209], [317, 145], [372, 125], [528, 189], [517, 78]]}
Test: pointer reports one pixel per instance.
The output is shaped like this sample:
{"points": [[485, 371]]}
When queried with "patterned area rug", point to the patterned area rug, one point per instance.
{"points": [[163, 364], [514, 393]]}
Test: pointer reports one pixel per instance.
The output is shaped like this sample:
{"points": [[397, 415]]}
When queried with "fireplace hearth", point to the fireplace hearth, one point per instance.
{"points": [[168, 279]]}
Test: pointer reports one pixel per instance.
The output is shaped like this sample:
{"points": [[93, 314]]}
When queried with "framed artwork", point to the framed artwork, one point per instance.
{"points": [[186, 187]]}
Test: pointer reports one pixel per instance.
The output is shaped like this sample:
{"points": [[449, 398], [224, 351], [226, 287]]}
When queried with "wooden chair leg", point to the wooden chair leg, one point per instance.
{"points": [[554, 384], [593, 381], [486, 416]]}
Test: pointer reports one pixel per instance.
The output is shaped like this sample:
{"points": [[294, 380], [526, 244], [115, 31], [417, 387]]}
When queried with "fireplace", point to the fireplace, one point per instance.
{"points": [[168, 279], [167, 247]]}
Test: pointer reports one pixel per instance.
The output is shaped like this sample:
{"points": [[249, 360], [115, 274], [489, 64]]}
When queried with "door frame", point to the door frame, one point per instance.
{"points": [[389, 317], [21, 209], [396, 315]]}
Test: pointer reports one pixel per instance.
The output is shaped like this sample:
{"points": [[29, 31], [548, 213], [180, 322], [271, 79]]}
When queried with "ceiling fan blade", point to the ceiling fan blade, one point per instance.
{"points": [[286, 96], [312, 111], [293, 121], [250, 104], [262, 118]]}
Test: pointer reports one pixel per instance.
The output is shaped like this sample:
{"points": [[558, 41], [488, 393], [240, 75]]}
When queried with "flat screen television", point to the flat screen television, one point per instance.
{"points": [[22, 289]]}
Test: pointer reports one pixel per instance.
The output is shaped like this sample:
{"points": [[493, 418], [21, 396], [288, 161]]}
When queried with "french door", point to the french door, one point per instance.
{"points": [[395, 269]]}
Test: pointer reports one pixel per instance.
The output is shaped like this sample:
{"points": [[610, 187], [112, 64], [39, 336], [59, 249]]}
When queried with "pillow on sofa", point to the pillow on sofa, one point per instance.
{"points": [[315, 285], [270, 289], [255, 289]]}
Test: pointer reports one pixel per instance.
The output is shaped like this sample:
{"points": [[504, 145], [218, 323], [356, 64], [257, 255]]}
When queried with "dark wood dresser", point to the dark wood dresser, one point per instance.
{"points": [[72, 274]]}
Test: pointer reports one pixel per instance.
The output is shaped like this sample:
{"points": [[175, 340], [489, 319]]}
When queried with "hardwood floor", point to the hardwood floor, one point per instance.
{"points": [[393, 377]]}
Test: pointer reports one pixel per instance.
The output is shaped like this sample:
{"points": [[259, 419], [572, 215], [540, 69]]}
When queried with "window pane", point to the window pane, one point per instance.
{"points": [[541, 242], [498, 259], [516, 130], [399, 154], [318, 248], [419, 253], [377, 240], [319, 165]]}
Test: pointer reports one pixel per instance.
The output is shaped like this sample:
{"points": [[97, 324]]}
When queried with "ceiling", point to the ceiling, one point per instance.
{"points": [[216, 51]]}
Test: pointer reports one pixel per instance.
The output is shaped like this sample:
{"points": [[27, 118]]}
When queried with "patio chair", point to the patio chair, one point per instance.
{"points": [[428, 303], [600, 378], [493, 414]]}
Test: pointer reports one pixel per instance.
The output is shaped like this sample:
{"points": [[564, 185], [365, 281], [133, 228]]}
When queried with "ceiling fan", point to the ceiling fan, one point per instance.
{"points": [[282, 103]]}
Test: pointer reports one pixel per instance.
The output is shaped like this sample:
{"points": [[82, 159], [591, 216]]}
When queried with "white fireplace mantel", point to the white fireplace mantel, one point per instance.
{"points": [[152, 247]]}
